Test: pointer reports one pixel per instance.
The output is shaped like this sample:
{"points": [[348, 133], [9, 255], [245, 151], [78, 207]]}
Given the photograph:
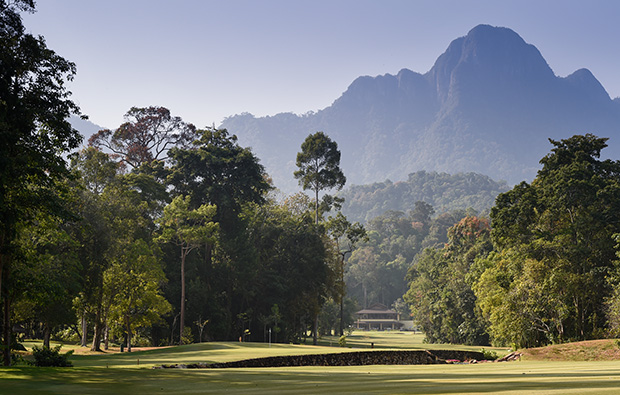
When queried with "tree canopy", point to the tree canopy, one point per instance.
{"points": [[318, 165], [34, 131]]}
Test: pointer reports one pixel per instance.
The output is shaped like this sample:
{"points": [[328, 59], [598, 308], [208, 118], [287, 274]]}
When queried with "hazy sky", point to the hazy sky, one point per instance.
{"points": [[206, 60]]}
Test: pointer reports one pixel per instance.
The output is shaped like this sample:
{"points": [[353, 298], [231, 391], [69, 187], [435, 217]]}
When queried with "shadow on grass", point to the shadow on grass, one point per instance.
{"points": [[365, 379]]}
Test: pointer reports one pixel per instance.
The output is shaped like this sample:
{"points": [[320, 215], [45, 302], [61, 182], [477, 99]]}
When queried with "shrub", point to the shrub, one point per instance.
{"points": [[187, 337], [489, 355], [342, 342], [45, 356]]}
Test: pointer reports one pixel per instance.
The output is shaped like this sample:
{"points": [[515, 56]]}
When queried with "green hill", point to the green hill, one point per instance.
{"points": [[445, 192]]}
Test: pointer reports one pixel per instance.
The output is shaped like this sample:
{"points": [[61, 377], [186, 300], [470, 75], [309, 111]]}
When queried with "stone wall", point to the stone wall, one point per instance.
{"points": [[409, 357]]}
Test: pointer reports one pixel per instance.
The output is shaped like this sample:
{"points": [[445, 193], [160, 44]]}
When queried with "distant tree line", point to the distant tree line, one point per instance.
{"points": [[445, 192]]}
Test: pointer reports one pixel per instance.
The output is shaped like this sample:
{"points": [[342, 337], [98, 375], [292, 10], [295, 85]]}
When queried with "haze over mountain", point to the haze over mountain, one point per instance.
{"points": [[488, 105]]}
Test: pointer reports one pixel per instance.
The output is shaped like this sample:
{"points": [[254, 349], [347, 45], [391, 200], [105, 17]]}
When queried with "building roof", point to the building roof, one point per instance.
{"points": [[377, 308]]}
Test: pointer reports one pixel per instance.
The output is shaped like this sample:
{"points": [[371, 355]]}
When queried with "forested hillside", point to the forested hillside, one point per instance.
{"points": [[445, 192]]}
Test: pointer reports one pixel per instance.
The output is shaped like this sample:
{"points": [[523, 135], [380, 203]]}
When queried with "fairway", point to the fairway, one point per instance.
{"points": [[509, 378], [132, 373]]}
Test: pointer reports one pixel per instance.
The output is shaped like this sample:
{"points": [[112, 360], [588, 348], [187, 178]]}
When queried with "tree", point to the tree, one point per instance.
{"points": [[44, 275], [440, 285], [560, 227], [345, 236], [319, 166], [188, 229], [147, 135], [34, 131], [95, 174], [319, 169], [293, 275], [217, 171], [133, 282]]}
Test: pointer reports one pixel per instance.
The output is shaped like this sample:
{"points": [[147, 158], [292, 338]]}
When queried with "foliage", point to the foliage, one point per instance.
{"points": [[489, 355], [376, 269], [553, 273], [294, 278], [133, 286], [318, 166], [45, 275], [440, 286], [146, 136], [34, 133], [612, 302], [345, 237], [187, 229], [216, 170], [445, 192], [45, 356]]}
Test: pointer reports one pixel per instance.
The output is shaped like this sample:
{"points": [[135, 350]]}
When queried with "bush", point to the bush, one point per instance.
{"points": [[342, 342], [45, 356], [489, 355], [187, 337], [67, 335]]}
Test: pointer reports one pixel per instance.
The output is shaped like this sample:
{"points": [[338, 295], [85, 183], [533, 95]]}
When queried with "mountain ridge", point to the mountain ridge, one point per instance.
{"points": [[488, 105]]}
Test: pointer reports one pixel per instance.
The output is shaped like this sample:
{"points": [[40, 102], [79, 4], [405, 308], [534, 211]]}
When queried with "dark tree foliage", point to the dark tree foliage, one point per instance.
{"points": [[147, 135], [293, 274], [217, 171], [34, 131]]}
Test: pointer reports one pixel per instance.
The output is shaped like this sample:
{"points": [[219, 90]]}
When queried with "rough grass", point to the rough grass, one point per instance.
{"points": [[592, 350], [106, 373]]}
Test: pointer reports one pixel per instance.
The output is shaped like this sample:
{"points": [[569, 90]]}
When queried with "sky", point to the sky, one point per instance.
{"points": [[206, 60]]}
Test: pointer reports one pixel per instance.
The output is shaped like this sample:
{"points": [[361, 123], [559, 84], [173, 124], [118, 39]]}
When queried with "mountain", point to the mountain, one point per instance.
{"points": [[85, 127], [488, 105]]}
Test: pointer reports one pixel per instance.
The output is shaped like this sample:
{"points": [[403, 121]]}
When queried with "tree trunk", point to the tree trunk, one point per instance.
{"points": [[96, 346], [84, 342], [46, 335], [174, 324], [4, 258], [316, 206], [128, 334], [6, 327], [182, 318], [315, 332], [6, 330], [341, 316], [342, 291], [106, 335]]}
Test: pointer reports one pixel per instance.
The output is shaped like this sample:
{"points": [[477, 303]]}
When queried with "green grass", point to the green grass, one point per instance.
{"points": [[400, 340], [509, 378], [121, 374]]}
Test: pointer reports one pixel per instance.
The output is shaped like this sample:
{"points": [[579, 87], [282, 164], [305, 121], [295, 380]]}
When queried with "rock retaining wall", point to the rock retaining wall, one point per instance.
{"points": [[410, 357]]}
